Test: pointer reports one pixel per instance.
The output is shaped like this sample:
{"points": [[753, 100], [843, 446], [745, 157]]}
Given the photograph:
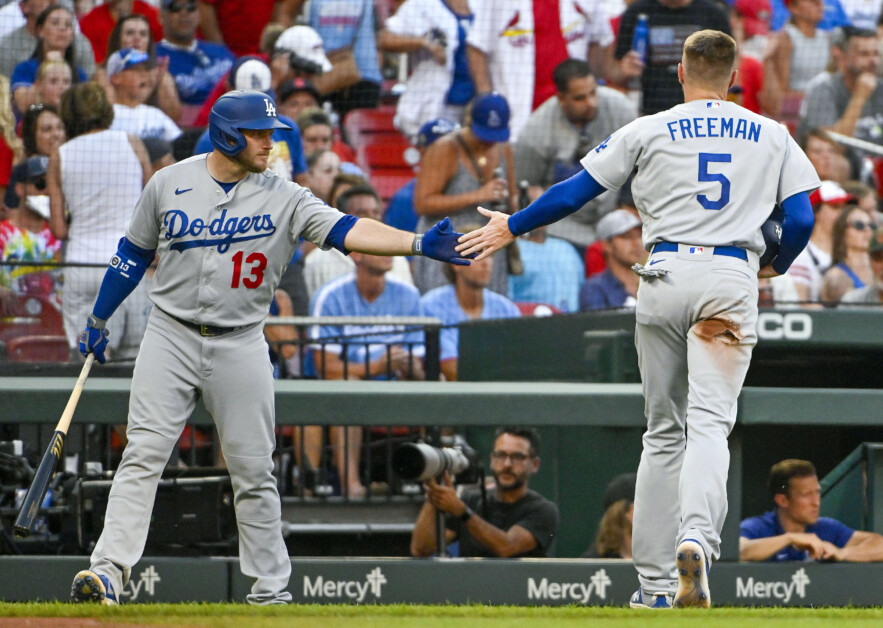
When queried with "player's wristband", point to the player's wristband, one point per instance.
{"points": [[466, 515], [417, 244], [97, 323]]}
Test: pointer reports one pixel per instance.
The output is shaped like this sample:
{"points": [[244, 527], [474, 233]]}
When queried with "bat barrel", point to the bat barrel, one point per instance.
{"points": [[37, 491]]}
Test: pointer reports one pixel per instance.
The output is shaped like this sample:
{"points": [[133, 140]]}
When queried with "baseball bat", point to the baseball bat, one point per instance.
{"points": [[37, 491]]}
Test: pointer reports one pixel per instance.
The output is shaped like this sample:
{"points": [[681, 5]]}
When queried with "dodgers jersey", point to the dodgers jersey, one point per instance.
{"points": [[221, 255], [707, 172]]}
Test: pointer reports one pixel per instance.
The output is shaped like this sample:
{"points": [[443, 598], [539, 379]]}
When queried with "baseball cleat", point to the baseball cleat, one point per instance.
{"points": [[652, 601], [692, 576], [89, 586]]}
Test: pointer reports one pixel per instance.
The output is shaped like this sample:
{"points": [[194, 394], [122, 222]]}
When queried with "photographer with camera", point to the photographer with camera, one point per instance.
{"points": [[515, 522]]}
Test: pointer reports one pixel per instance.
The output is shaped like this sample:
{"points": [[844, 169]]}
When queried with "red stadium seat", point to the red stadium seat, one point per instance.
{"points": [[38, 349], [31, 315], [367, 126], [388, 182], [536, 309], [384, 154]]}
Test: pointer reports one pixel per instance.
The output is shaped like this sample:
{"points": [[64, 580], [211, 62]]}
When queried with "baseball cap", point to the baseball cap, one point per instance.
{"points": [[620, 487], [829, 193], [616, 223], [490, 118], [304, 42], [250, 72], [876, 245], [756, 15], [125, 58], [29, 171], [295, 86], [432, 130]]}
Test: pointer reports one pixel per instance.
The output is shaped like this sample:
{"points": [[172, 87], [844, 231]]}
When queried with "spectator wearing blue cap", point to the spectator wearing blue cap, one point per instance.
{"points": [[470, 167], [128, 71], [196, 65], [400, 210]]}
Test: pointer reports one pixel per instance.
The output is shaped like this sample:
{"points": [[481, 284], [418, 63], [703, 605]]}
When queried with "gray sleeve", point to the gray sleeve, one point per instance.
{"points": [[312, 219], [84, 57], [818, 108], [529, 163], [798, 173], [611, 162], [143, 229]]}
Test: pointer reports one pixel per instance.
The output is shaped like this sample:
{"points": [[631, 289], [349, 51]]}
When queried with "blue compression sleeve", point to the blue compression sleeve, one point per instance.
{"points": [[338, 232], [125, 271], [560, 200], [796, 229]]}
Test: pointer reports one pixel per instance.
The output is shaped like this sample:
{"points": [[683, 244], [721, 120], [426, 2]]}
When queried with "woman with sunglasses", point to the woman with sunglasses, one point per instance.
{"points": [[850, 262], [55, 37], [133, 31]]}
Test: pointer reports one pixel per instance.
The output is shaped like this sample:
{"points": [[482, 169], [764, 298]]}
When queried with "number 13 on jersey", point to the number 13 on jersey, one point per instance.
{"points": [[705, 159], [257, 264]]}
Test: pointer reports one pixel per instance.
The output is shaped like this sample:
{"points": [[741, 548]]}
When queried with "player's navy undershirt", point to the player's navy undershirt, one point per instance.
{"points": [[226, 186]]}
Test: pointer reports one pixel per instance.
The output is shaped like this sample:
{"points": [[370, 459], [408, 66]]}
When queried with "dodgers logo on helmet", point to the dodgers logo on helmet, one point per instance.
{"points": [[240, 110]]}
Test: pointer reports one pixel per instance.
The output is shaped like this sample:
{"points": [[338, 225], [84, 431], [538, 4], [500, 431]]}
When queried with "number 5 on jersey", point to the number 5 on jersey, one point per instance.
{"points": [[704, 176], [257, 264]]}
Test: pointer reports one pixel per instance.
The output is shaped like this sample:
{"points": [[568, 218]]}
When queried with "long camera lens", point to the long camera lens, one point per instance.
{"points": [[419, 462]]}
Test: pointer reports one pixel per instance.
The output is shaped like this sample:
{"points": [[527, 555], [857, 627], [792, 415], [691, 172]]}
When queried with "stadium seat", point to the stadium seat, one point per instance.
{"points": [[38, 349], [384, 154], [31, 315], [388, 182], [536, 309], [367, 126]]}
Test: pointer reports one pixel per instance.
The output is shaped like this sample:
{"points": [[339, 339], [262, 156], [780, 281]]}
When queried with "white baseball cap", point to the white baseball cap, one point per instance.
{"points": [[830, 193], [304, 42], [616, 223], [250, 73]]}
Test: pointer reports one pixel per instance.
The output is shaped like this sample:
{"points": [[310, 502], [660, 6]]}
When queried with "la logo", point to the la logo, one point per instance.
{"points": [[271, 109], [493, 120]]}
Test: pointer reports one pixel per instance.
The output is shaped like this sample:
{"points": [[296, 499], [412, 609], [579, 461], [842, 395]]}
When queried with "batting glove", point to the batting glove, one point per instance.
{"points": [[94, 338], [438, 243]]}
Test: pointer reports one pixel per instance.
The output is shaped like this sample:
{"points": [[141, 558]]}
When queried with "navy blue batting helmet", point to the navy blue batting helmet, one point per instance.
{"points": [[240, 109]]}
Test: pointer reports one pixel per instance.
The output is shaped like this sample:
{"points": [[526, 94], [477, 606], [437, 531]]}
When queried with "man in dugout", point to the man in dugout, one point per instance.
{"points": [[793, 530], [515, 522]]}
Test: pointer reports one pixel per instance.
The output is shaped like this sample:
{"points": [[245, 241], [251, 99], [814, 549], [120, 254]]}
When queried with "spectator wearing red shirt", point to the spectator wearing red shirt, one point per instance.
{"points": [[239, 23], [99, 22]]}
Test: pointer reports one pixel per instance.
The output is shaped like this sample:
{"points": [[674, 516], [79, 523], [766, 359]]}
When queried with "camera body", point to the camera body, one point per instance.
{"points": [[419, 462]]}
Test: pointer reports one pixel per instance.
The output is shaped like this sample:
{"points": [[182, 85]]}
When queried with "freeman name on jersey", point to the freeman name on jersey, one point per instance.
{"points": [[733, 128]]}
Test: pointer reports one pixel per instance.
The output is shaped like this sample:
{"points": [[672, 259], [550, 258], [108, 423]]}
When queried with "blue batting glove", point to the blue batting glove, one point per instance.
{"points": [[438, 243], [94, 338]]}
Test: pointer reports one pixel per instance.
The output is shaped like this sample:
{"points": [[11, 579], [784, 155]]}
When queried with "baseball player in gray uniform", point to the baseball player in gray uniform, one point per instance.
{"points": [[225, 228], [708, 173]]}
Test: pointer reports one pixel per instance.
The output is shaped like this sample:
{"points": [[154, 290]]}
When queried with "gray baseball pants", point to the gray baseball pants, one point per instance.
{"points": [[233, 375], [695, 332]]}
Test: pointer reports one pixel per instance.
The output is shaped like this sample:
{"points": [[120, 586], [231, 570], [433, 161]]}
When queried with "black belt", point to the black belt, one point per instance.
{"points": [[204, 330]]}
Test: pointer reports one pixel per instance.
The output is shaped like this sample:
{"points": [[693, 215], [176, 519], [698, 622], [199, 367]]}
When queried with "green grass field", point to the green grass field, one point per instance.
{"points": [[400, 616]]}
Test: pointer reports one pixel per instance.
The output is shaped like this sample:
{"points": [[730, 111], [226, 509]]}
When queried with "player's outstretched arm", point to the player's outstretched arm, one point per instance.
{"points": [[560, 200], [125, 271], [375, 238]]}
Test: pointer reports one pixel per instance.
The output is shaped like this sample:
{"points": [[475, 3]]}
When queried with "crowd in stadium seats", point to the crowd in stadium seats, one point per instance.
{"points": [[429, 109]]}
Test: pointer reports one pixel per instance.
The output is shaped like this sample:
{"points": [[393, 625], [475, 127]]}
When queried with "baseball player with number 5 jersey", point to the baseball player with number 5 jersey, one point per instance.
{"points": [[225, 228], [708, 173]]}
